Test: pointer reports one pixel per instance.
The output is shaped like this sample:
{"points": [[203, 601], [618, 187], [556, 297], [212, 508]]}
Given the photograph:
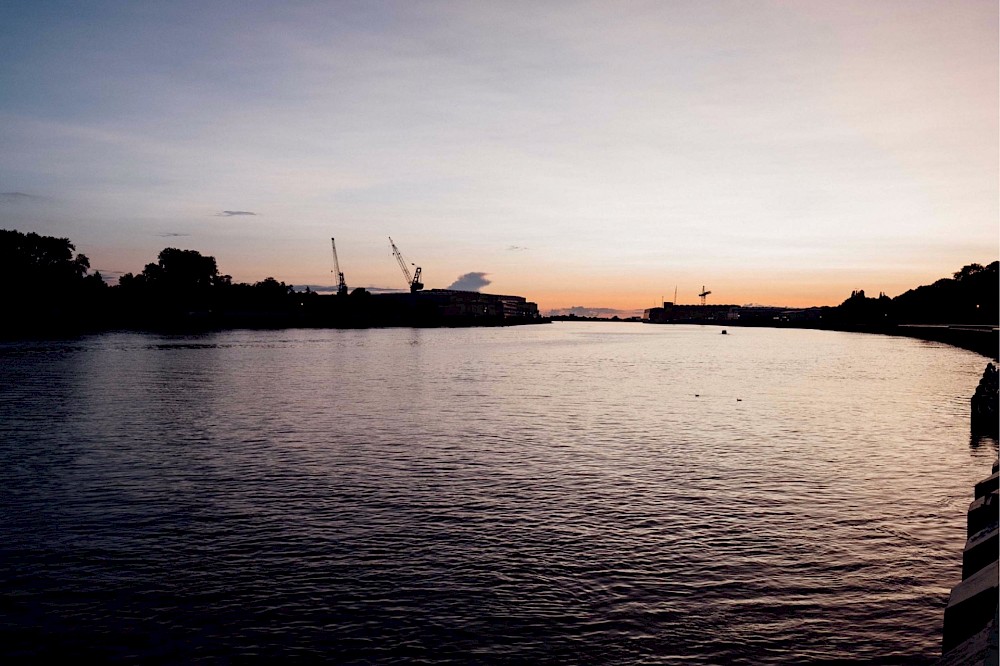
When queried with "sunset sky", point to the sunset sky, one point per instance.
{"points": [[576, 153]]}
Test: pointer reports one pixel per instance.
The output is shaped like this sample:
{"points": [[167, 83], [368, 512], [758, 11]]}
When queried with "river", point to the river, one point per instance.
{"points": [[580, 492]]}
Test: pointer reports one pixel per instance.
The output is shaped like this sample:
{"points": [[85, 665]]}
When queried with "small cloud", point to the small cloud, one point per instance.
{"points": [[234, 213], [108, 275], [603, 313], [516, 248], [380, 290], [171, 234], [470, 282], [332, 289], [16, 197]]}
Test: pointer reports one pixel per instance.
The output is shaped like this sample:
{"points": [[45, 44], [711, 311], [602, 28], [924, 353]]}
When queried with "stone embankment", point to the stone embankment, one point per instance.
{"points": [[971, 618], [983, 340], [985, 408]]}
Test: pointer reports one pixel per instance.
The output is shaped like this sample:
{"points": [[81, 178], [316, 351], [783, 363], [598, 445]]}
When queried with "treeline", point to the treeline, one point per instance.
{"points": [[185, 288], [46, 285], [48, 289], [970, 296]]}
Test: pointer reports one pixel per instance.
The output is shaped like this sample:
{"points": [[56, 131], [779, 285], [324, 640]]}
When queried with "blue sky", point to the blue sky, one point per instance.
{"points": [[586, 153]]}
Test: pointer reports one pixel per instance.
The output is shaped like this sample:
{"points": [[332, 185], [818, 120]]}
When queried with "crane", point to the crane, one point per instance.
{"points": [[414, 281], [341, 284], [704, 294]]}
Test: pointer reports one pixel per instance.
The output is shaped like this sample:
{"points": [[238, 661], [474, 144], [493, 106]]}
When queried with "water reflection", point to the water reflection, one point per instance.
{"points": [[538, 495], [977, 441]]}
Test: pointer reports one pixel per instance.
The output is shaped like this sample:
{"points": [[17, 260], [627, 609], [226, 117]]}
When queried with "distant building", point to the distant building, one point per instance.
{"points": [[801, 314], [760, 313], [453, 303], [671, 313]]}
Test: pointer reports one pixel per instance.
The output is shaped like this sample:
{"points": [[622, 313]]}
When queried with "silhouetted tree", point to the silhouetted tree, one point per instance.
{"points": [[970, 297], [182, 271], [861, 310], [42, 261], [271, 293], [969, 271], [181, 282], [46, 287]]}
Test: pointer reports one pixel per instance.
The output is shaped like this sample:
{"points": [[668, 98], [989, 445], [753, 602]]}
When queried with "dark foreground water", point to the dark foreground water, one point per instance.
{"points": [[574, 493]]}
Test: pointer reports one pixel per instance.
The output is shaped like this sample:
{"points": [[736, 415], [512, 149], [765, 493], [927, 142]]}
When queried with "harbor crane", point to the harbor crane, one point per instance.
{"points": [[341, 284], [414, 280], [704, 294]]}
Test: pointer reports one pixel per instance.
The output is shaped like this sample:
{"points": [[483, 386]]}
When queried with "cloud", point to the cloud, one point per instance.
{"points": [[233, 213], [16, 197], [171, 234], [382, 290], [516, 248], [603, 313], [470, 282], [108, 275], [330, 289]]}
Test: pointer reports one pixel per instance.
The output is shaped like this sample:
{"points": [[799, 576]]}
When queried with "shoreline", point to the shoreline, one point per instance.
{"points": [[983, 340]]}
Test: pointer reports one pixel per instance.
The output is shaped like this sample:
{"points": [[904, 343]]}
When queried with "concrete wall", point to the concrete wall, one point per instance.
{"points": [[969, 635]]}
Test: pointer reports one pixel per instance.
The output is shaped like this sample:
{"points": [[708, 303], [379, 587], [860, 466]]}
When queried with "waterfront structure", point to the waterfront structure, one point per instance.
{"points": [[673, 313], [447, 307], [454, 303], [969, 635]]}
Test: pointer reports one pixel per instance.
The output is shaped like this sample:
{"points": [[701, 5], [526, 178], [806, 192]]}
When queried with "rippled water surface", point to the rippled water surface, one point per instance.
{"points": [[571, 493]]}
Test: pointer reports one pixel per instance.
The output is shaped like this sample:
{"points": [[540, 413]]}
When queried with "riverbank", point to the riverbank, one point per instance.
{"points": [[982, 339], [197, 325]]}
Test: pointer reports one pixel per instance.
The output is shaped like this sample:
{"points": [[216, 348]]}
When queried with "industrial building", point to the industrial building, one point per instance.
{"points": [[452, 304], [749, 315], [420, 307], [672, 313]]}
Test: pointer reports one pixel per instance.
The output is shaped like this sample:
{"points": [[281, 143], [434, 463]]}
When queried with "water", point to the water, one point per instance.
{"points": [[573, 493]]}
